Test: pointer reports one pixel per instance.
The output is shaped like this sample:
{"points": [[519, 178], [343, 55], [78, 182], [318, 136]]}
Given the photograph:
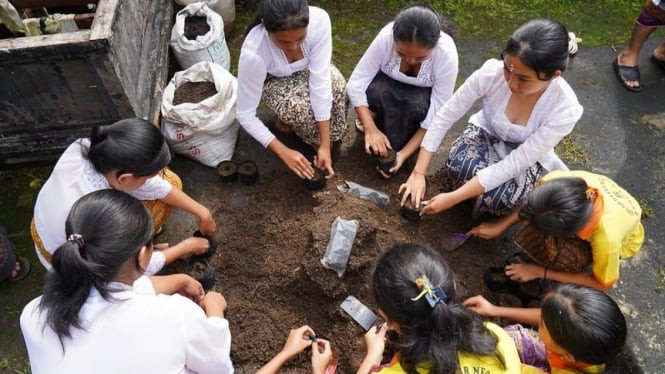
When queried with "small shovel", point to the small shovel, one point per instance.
{"points": [[451, 241]]}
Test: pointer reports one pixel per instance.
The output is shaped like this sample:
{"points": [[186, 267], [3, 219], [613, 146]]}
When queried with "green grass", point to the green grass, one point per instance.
{"points": [[570, 151], [356, 22]]}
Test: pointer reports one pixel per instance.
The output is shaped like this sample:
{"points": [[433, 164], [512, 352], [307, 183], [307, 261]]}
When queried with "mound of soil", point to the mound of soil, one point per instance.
{"points": [[273, 235]]}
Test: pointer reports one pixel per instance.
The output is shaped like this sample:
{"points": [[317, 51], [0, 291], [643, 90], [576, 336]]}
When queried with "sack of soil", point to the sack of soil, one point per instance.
{"points": [[225, 8], [198, 126], [198, 35], [564, 254]]}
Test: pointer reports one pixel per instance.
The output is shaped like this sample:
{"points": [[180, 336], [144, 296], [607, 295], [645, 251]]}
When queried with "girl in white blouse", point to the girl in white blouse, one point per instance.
{"points": [[404, 77], [100, 314], [527, 108], [129, 155], [286, 59]]}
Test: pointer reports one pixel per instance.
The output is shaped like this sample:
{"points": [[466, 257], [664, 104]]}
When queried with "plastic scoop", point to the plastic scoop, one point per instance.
{"points": [[451, 241]]}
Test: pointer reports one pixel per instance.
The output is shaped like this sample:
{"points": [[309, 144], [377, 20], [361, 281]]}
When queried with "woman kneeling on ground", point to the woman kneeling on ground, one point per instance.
{"points": [[100, 314], [402, 80], [576, 205], [527, 108], [414, 289], [286, 59]]}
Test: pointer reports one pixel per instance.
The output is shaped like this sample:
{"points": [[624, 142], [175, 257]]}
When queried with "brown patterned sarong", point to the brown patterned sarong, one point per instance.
{"points": [[289, 98]]}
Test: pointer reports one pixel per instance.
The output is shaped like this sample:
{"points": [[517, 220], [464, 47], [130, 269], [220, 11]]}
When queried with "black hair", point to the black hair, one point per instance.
{"points": [[422, 24], [130, 145], [542, 45], [589, 325], [279, 15], [559, 207], [106, 228], [427, 334]]}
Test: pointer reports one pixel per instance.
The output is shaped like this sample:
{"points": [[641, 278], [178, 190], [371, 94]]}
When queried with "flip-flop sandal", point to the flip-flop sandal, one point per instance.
{"points": [[283, 127], [657, 62], [159, 232], [23, 270], [213, 245], [359, 126], [627, 73]]}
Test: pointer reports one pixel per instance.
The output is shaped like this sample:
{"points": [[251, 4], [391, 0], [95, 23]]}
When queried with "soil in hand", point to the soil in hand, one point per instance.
{"points": [[193, 92]]}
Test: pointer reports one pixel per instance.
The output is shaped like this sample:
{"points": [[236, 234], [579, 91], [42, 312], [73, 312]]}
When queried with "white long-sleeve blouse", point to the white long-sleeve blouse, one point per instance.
{"points": [[554, 115], [259, 57], [439, 71]]}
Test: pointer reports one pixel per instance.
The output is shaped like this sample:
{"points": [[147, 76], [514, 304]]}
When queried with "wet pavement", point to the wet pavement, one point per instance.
{"points": [[622, 133]]}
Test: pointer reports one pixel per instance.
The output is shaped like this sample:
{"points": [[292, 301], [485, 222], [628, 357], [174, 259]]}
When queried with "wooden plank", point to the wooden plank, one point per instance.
{"points": [[56, 87], [25, 4]]}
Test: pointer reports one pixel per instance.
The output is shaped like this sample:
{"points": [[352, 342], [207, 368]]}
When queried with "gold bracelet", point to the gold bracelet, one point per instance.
{"points": [[418, 172]]}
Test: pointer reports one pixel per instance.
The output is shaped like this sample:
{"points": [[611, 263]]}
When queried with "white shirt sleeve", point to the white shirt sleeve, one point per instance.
{"points": [[552, 121], [461, 101], [446, 66], [320, 56], [252, 72], [369, 65], [207, 340], [154, 188]]}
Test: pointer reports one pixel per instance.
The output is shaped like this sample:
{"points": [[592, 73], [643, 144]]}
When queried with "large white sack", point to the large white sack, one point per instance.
{"points": [[209, 47], [205, 131]]}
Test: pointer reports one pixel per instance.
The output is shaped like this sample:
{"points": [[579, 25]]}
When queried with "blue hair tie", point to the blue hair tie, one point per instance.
{"points": [[433, 295]]}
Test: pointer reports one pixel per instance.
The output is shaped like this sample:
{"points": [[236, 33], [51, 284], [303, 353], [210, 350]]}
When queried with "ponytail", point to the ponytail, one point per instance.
{"points": [[105, 229], [434, 325]]}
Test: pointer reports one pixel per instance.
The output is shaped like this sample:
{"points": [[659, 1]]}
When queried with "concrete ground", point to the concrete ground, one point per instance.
{"points": [[621, 131]]}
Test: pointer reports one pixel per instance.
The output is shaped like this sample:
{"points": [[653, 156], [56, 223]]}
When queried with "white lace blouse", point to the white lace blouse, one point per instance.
{"points": [[439, 71], [72, 177], [555, 114], [259, 57]]}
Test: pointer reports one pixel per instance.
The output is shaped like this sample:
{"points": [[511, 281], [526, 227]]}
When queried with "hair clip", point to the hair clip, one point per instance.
{"points": [[433, 295], [591, 193], [76, 238]]}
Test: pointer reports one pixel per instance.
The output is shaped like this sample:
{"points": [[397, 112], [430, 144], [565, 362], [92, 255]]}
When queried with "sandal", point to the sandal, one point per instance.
{"points": [[359, 126], [159, 231], [627, 73], [213, 245], [283, 127], [23, 270]]}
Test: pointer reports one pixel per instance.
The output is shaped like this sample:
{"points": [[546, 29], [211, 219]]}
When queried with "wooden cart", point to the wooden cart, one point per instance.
{"points": [[53, 88]]}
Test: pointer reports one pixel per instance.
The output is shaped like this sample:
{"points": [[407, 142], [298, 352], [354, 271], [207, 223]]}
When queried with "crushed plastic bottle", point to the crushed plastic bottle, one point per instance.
{"points": [[366, 193]]}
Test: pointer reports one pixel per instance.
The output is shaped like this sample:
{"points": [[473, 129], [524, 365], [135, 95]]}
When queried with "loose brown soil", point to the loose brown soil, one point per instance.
{"points": [[193, 92], [273, 235], [195, 26]]}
